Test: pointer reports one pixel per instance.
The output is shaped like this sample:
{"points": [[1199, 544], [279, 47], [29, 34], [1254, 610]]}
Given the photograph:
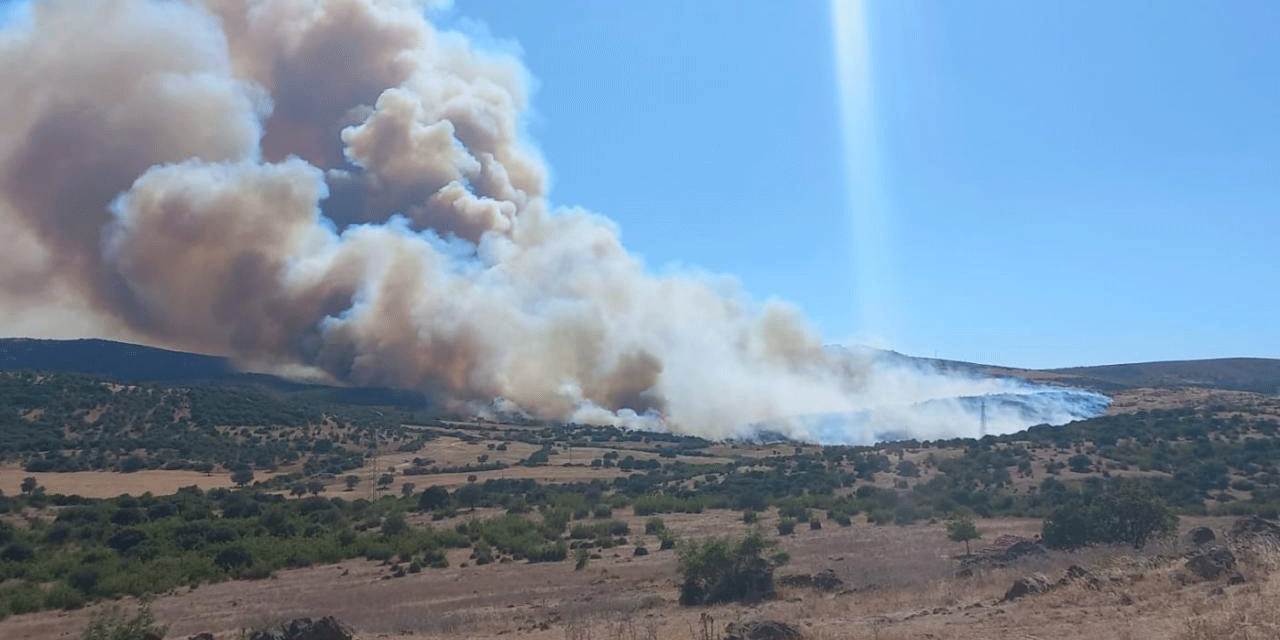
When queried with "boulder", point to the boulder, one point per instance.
{"points": [[1026, 586], [761, 630], [1077, 574], [1199, 536], [202, 636], [1003, 551], [827, 580], [1021, 548], [1211, 564], [1254, 527], [326, 628]]}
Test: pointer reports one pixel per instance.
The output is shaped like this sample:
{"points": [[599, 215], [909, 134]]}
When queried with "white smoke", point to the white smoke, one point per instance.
{"points": [[339, 185]]}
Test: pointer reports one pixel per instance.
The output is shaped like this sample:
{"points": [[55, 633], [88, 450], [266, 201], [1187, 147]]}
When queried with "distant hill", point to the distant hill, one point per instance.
{"points": [[1256, 375], [109, 359], [137, 363]]}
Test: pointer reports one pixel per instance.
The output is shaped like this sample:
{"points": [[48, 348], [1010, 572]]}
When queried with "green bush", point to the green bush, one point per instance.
{"points": [[63, 596], [1121, 512], [654, 526], [786, 527], [718, 570], [114, 624]]}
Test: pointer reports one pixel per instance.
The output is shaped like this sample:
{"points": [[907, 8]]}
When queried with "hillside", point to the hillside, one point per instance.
{"points": [[1255, 375], [110, 359]]}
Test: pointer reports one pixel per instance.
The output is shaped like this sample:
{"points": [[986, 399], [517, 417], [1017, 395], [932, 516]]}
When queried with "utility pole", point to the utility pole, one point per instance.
{"points": [[982, 424]]}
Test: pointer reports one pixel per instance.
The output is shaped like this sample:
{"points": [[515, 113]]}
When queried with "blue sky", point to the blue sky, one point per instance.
{"points": [[1060, 183]]}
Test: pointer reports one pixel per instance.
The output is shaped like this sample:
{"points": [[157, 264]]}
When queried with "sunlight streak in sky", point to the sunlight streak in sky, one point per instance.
{"points": [[864, 198]]}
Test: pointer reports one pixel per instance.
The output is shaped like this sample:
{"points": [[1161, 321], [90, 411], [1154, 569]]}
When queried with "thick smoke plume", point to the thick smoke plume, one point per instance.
{"points": [[340, 185]]}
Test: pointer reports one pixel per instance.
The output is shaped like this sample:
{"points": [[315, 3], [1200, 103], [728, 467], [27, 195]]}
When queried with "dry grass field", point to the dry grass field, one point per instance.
{"points": [[108, 484], [900, 584]]}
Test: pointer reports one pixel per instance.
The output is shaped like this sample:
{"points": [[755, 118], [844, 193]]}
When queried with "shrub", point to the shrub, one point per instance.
{"points": [[719, 570], [786, 527], [750, 517], [1121, 512], [113, 624], [654, 526], [794, 511], [63, 596]]}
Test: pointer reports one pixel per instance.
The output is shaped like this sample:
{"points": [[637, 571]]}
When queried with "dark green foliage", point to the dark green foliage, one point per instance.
{"points": [[718, 570], [963, 530], [1120, 512], [433, 498], [654, 526]]}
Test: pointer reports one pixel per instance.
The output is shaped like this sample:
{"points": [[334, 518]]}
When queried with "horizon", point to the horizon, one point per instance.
{"points": [[1048, 124], [928, 88]]}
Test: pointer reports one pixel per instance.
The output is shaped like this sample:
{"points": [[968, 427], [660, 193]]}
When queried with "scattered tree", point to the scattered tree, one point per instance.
{"points": [[963, 530]]}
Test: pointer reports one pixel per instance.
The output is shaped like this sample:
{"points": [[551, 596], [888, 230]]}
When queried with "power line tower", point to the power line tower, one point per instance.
{"points": [[982, 418]]}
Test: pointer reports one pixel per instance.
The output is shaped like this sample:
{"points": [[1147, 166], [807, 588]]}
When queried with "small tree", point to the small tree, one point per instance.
{"points": [[433, 498], [385, 481], [315, 487], [29, 485], [963, 530], [298, 489], [352, 481], [406, 489], [242, 476]]}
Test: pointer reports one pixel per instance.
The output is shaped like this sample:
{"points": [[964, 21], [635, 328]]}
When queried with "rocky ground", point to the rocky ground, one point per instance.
{"points": [[1218, 580]]}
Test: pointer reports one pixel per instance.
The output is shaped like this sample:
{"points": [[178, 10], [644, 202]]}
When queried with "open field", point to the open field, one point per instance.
{"points": [[107, 484], [900, 581]]}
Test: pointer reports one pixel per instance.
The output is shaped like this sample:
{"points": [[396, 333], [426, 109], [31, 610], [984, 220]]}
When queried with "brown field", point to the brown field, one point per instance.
{"points": [[900, 578], [108, 484]]}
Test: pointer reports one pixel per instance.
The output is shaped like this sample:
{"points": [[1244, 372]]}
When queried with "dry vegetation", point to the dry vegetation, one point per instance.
{"points": [[900, 584]]}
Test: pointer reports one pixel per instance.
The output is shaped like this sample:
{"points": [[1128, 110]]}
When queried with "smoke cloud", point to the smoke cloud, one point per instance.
{"points": [[340, 185]]}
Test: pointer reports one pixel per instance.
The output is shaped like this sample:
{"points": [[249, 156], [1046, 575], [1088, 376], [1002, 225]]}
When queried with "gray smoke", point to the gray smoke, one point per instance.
{"points": [[339, 185]]}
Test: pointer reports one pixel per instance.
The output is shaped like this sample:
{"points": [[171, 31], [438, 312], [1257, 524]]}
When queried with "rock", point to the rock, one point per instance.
{"points": [[761, 630], [1126, 599], [1254, 527], [1199, 536], [326, 628], [202, 636], [1003, 552], [1027, 585], [640, 551], [1023, 547], [827, 580], [1079, 575], [1235, 578], [1211, 564], [796, 580]]}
